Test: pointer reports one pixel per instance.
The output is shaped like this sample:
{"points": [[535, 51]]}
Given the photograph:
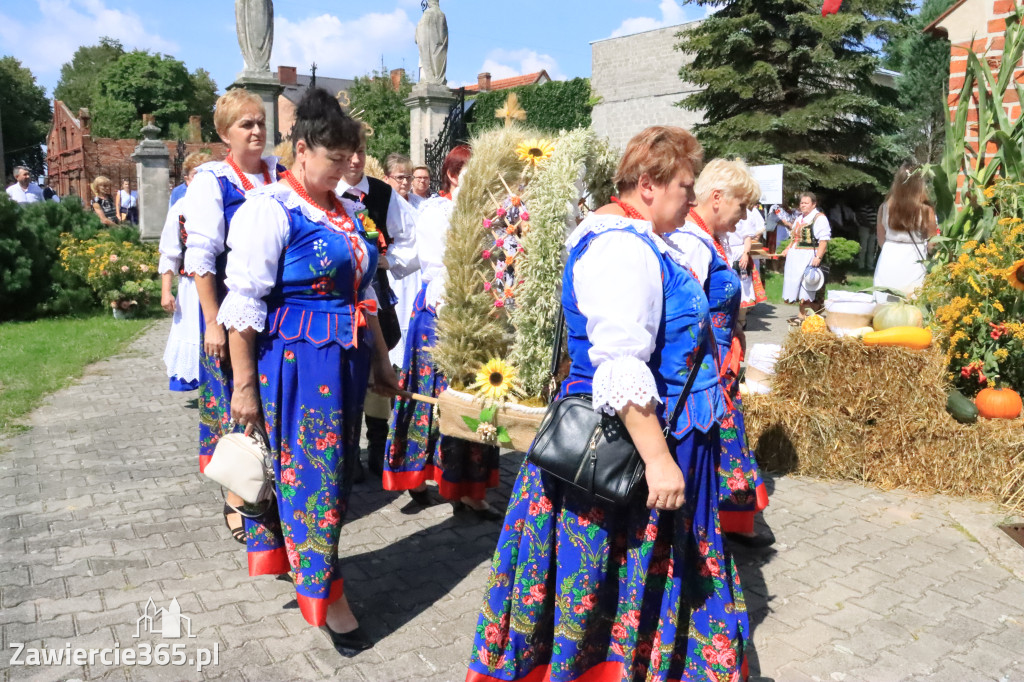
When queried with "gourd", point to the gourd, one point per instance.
{"points": [[998, 403], [897, 315], [961, 407], [813, 324], [859, 332], [908, 337]]}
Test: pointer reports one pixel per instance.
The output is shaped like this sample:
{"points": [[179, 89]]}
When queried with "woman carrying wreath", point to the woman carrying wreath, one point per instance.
{"points": [[416, 452], [304, 336], [724, 191], [583, 590], [211, 200]]}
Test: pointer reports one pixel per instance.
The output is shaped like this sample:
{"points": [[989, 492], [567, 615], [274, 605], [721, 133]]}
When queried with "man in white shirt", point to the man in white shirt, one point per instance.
{"points": [[421, 182], [24, 191]]}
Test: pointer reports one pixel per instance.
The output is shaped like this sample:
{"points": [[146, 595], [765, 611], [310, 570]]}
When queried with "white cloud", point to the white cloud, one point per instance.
{"points": [[45, 45], [342, 49], [672, 13], [501, 63]]}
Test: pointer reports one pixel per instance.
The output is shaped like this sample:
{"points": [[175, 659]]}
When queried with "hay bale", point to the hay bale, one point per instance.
{"points": [[843, 410]]}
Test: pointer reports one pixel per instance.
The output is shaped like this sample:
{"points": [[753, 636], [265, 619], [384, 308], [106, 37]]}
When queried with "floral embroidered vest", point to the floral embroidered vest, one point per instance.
{"points": [[320, 286], [684, 313]]}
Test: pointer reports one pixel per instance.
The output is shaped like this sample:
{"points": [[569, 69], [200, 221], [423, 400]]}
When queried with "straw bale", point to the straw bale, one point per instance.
{"points": [[843, 410]]}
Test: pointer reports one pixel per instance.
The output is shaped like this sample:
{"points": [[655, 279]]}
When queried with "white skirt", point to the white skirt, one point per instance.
{"points": [[797, 261], [181, 356], [899, 267], [406, 289]]}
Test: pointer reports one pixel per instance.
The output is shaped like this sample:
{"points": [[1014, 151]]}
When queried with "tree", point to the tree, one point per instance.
{"points": [[25, 116], [923, 63], [78, 77], [143, 83], [378, 103], [782, 84]]}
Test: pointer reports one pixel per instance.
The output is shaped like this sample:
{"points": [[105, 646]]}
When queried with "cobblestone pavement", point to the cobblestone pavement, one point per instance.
{"points": [[102, 508]]}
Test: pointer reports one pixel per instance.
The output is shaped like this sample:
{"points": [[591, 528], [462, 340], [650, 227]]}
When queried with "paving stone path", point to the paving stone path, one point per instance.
{"points": [[102, 508]]}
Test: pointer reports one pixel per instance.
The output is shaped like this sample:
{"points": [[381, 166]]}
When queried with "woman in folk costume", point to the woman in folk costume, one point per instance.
{"points": [[416, 452], [724, 190], [905, 225], [211, 200], [811, 233], [181, 356], [304, 337], [583, 590], [739, 242]]}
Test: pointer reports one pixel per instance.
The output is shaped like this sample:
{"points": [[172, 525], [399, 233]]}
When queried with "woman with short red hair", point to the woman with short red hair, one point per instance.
{"points": [[416, 452]]}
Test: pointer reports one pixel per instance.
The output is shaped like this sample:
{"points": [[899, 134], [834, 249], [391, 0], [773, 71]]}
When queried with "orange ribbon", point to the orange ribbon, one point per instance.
{"points": [[367, 305]]}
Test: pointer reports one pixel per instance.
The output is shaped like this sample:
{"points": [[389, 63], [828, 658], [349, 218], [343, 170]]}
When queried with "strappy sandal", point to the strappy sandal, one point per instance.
{"points": [[238, 533]]}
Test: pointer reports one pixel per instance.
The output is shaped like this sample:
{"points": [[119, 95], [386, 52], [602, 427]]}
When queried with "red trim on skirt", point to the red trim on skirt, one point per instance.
{"points": [[474, 490], [609, 671], [408, 480], [743, 521], [268, 562], [315, 610], [204, 460]]}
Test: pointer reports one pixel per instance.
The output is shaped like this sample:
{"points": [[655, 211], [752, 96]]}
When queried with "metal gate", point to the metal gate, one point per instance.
{"points": [[453, 133]]}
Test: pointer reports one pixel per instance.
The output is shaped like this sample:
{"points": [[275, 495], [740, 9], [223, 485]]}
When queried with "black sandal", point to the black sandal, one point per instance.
{"points": [[237, 533]]}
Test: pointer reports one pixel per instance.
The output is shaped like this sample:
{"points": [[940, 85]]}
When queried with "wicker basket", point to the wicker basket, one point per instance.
{"points": [[522, 422]]}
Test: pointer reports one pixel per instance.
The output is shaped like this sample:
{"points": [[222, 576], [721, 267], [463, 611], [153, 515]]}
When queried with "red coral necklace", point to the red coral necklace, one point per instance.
{"points": [[628, 210], [246, 182], [337, 217], [695, 217]]}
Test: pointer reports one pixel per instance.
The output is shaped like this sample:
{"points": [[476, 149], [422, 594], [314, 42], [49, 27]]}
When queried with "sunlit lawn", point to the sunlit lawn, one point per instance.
{"points": [[855, 281]]}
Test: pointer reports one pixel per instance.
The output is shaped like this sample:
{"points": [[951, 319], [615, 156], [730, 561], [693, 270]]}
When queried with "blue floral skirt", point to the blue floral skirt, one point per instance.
{"points": [[581, 590], [312, 402], [742, 493], [416, 451], [215, 387]]}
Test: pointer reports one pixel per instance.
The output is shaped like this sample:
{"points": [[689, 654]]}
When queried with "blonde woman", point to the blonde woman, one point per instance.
{"points": [[103, 203], [181, 356], [725, 190], [213, 197]]}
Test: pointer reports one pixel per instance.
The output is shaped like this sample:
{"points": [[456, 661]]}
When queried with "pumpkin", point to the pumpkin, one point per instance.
{"points": [[897, 315], [998, 403], [813, 324], [908, 337]]}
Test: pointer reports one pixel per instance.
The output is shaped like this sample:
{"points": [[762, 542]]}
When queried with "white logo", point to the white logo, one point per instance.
{"points": [[165, 622]]}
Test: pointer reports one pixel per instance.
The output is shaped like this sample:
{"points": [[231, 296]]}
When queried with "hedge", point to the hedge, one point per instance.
{"points": [[550, 107]]}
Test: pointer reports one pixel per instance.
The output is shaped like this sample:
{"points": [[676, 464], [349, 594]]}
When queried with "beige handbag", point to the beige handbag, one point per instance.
{"points": [[243, 465]]}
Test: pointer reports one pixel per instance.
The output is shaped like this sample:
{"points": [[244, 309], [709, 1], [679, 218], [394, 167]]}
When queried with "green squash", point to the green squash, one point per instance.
{"points": [[897, 315], [961, 407]]}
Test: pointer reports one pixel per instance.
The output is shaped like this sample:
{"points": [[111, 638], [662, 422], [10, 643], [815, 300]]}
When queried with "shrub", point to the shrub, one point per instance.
{"points": [[550, 107], [32, 281], [121, 272]]}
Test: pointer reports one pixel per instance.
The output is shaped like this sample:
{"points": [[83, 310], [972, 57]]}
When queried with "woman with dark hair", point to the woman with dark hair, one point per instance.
{"points": [[905, 224], [584, 590], [807, 249], [304, 336], [416, 452]]}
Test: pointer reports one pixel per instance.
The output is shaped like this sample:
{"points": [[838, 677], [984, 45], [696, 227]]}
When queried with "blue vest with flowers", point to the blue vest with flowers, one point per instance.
{"points": [[320, 291], [684, 314]]}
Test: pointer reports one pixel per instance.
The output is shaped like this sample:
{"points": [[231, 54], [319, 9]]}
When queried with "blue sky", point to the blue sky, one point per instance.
{"points": [[345, 38]]}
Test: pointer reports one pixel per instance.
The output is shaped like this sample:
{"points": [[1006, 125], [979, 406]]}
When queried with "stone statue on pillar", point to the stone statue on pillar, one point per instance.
{"points": [[432, 39], [254, 21]]}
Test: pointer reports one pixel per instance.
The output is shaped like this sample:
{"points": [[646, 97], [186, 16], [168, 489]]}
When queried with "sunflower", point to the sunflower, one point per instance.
{"points": [[535, 152], [1015, 275], [494, 380]]}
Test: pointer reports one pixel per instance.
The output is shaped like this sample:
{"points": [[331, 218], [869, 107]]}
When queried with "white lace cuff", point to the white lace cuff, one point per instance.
{"points": [[170, 265], [198, 262], [240, 312], [622, 381]]}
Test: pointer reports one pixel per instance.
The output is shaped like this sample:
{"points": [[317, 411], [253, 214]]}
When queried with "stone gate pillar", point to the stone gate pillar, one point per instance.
{"points": [[428, 104], [153, 169]]}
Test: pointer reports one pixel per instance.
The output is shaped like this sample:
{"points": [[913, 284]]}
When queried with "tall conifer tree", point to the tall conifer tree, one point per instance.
{"points": [[783, 84]]}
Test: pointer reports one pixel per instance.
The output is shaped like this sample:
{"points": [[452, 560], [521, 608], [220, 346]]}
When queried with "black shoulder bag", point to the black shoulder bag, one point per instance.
{"points": [[591, 450]]}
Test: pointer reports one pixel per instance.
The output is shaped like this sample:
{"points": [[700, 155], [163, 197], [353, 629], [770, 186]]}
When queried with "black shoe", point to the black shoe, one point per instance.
{"points": [[348, 643], [758, 541], [485, 514], [422, 497], [238, 533]]}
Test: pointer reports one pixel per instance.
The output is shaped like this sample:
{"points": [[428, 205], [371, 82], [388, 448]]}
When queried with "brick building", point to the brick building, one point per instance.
{"points": [[74, 157], [484, 83], [294, 86], [978, 26]]}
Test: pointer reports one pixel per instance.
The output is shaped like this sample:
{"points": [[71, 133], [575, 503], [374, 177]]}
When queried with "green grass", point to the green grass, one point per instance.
{"points": [[40, 357], [856, 280]]}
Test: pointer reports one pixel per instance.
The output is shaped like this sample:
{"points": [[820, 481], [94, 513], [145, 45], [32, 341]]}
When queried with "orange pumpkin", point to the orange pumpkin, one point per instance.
{"points": [[998, 403]]}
